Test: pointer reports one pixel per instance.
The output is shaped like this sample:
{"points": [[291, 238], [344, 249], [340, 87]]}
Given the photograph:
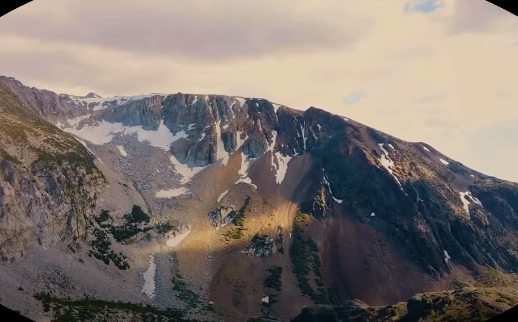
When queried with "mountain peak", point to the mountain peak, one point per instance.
{"points": [[92, 95]]}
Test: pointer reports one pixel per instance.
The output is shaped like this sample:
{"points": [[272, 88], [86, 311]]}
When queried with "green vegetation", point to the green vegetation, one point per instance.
{"points": [[238, 219], [136, 222], [137, 216], [9, 157], [66, 310], [184, 293], [455, 284], [492, 278], [262, 245], [334, 295], [101, 250], [273, 280], [305, 259], [19, 126], [32, 139], [466, 305], [461, 311], [234, 233], [164, 228], [104, 219]]}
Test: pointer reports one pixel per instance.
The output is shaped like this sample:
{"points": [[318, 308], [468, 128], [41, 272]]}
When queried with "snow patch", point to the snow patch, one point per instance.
{"points": [[387, 163], [425, 148], [444, 162], [345, 118], [100, 102], [122, 151], [282, 167], [373, 214], [276, 107], [171, 193], [183, 170], [271, 146], [246, 180], [149, 278], [241, 100], [304, 137], [265, 299], [392, 147], [245, 164], [103, 132], [176, 240], [465, 202], [202, 136], [222, 195], [191, 126], [86, 146], [472, 176], [243, 171], [221, 154], [330, 191], [446, 256], [76, 120]]}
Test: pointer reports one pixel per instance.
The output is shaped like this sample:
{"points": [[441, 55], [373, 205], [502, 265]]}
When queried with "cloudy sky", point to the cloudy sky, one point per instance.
{"points": [[439, 71]]}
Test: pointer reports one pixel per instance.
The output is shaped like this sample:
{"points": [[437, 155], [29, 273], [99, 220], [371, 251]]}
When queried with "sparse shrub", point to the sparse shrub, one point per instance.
{"points": [[273, 280]]}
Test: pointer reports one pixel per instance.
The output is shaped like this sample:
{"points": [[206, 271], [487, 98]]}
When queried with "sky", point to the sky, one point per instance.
{"points": [[434, 71]]}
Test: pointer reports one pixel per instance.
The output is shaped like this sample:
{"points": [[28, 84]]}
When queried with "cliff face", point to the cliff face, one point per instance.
{"points": [[48, 181]]}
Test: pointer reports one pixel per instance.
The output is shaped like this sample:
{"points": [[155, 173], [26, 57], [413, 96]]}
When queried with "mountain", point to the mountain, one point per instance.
{"points": [[226, 207]]}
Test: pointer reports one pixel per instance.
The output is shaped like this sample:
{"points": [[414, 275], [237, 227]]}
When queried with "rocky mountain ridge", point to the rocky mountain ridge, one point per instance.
{"points": [[340, 210]]}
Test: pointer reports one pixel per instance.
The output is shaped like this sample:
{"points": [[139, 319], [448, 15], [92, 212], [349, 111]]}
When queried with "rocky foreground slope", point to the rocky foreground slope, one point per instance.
{"points": [[221, 208], [470, 304]]}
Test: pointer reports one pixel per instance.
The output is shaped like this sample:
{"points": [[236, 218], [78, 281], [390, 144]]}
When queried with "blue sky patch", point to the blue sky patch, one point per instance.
{"points": [[423, 6], [354, 97]]}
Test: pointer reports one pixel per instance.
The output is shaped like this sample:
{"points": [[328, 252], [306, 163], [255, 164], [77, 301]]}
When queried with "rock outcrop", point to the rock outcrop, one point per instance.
{"points": [[465, 305], [48, 181]]}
